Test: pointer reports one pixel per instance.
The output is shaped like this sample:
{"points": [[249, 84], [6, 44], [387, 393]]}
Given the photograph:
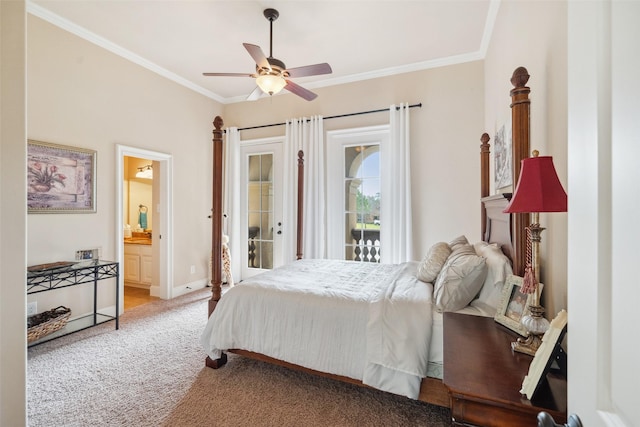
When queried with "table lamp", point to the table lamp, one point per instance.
{"points": [[538, 190]]}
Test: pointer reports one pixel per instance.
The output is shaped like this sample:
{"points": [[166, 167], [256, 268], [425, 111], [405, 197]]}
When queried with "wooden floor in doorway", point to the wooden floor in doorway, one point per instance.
{"points": [[134, 297]]}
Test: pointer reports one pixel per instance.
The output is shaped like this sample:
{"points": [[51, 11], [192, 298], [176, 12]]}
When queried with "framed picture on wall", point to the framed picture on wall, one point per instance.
{"points": [[60, 179], [502, 156]]}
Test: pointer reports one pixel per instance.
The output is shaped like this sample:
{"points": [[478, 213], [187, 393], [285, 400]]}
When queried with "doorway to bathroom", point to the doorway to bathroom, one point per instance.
{"points": [[143, 225], [137, 199]]}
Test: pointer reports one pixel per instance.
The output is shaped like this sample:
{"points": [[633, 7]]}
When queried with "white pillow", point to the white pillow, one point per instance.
{"points": [[498, 268], [458, 242], [460, 279], [433, 262]]}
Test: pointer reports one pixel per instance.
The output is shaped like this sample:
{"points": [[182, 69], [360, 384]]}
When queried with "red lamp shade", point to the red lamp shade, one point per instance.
{"points": [[538, 188]]}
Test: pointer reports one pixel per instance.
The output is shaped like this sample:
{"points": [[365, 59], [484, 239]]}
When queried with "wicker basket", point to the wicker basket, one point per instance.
{"points": [[47, 322]]}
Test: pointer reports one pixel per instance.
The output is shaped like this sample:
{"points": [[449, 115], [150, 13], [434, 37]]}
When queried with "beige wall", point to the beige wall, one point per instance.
{"points": [[445, 138], [519, 40], [13, 213], [82, 95]]}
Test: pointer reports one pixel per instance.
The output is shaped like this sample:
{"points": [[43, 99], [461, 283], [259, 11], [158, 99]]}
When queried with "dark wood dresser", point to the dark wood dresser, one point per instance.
{"points": [[484, 377]]}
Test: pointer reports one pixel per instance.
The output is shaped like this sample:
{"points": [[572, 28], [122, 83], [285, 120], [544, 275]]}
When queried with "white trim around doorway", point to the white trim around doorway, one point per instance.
{"points": [[164, 235]]}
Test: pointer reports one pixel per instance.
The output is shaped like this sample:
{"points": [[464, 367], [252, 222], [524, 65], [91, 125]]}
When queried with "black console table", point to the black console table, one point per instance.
{"points": [[72, 275]]}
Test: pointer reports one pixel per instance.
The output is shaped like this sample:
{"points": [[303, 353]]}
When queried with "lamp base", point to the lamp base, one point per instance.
{"points": [[528, 345], [536, 325]]}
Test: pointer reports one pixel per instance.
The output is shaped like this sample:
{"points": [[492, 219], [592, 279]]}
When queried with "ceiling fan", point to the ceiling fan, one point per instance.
{"points": [[271, 74]]}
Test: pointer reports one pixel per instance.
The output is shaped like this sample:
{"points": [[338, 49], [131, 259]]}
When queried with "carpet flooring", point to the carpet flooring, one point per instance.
{"points": [[151, 373]]}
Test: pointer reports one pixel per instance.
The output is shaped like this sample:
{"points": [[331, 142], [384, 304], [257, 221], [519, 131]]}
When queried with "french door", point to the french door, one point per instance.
{"points": [[354, 197], [261, 205]]}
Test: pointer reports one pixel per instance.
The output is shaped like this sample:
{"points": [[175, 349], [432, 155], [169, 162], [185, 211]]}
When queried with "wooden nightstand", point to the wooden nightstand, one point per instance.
{"points": [[484, 377]]}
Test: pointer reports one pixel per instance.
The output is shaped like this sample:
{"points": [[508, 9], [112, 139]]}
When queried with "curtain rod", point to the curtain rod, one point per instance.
{"points": [[332, 117]]}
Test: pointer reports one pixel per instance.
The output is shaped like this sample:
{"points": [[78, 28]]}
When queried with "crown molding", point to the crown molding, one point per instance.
{"points": [[83, 33]]}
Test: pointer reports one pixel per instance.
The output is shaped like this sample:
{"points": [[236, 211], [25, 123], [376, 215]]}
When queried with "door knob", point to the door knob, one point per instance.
{"points": [[546, 420]]}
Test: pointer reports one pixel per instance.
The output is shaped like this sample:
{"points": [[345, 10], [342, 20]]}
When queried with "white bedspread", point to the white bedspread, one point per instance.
{"points": [[370, 322]]}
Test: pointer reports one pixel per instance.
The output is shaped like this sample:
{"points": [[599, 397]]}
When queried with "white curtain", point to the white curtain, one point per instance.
{"points": [[396, 241], [231, 202], [306, 135]]}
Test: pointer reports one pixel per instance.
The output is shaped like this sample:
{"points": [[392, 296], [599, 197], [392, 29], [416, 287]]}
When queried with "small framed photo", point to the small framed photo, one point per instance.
{"points": [[514, 305], [60, 179]]}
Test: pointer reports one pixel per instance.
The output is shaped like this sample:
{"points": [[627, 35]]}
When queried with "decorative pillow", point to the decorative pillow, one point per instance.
{"points": [[460, 279], [433, 262], [458, 242], [498, 268]]}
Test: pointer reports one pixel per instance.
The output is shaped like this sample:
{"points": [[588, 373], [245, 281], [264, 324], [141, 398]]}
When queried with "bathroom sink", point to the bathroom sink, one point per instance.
{"points": [[139, 240], [141, 234]]}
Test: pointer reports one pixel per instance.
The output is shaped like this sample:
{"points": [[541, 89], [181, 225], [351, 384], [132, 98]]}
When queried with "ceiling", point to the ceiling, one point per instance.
{"points": [[181, 39]]}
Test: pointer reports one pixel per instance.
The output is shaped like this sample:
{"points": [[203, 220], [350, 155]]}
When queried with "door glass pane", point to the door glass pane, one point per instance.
{"points": [[371, 189], [254, 199], [266, 259], [254, 221], [353, 231], [350, 156], [266, 226], [260, 211], [362, 203], [371, 164], [351, 189], [266, 162]]}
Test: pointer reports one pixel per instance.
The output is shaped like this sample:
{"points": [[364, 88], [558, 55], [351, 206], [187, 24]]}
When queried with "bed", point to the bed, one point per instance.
{"points": [[379, 325]]}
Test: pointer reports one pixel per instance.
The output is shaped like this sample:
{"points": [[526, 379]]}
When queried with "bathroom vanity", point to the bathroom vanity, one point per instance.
{"points": [[138, 260]]}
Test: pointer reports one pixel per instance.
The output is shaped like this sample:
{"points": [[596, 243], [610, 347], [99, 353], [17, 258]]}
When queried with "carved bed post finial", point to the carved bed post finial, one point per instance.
{"points": [[484, 178], [520, 125], [300, 203], [520, 77], [216, 216]]}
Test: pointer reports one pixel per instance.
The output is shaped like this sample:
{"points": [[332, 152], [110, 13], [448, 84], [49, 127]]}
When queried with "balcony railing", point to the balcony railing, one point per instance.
{"points": [[366, 245]]}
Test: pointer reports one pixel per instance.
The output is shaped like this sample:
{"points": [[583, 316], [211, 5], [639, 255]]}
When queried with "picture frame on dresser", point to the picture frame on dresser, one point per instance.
{"points": [[60, 178], [514, 305], [550, 351]]}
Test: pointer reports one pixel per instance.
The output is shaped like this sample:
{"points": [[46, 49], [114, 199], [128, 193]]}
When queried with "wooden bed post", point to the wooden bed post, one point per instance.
{"points": [[300, 203], [520, 110], [484, 179], [216, 231], [216, 217]]}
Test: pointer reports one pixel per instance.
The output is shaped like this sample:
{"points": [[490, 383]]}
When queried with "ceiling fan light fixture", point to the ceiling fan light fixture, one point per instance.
{"points": [[270, 83], [271, 74]]}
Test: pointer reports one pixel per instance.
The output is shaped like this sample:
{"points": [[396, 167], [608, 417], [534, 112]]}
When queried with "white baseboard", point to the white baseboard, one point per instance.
{"points": [[137, 285], [189, 287], [154, 291]]}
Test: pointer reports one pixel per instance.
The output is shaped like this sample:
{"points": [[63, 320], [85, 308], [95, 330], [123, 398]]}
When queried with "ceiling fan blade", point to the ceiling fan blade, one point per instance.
{"points": [[257, 92], [300, 91], [310, 70], [228, 74], [257, 55]]}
